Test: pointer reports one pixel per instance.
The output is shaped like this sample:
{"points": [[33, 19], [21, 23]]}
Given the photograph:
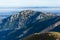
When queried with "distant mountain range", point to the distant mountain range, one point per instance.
{"points": [[28, 22]]}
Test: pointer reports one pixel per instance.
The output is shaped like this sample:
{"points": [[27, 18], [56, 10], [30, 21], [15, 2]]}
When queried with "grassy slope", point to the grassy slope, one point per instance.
{"points": [[44, 36]]}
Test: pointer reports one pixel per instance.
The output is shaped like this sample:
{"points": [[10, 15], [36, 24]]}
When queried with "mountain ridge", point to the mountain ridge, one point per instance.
{"points": [[27, 22]]}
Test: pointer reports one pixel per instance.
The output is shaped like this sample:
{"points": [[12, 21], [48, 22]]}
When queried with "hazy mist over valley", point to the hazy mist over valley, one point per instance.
{"points": [[5, 12]]}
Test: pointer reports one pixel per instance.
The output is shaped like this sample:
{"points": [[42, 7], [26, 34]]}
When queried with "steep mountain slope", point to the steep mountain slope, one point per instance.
{"points": [[44, 26], [25, 23]]}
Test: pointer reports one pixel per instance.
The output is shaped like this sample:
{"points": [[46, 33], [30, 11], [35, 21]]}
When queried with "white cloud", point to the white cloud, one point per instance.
{"points": [[20, 3]]}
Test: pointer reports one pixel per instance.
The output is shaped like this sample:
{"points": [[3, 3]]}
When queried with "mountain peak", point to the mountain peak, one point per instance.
{"points": [[27, 17]]}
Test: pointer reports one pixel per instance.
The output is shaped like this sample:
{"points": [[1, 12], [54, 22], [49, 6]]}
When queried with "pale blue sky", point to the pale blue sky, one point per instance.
{"points": [[22, 3]]}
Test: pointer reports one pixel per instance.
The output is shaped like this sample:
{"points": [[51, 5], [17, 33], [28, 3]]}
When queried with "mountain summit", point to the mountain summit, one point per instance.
{"points": [[24, 18]]}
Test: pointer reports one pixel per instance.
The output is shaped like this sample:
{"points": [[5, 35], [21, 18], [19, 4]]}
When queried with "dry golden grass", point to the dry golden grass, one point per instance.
{"points": [[55, 34], [44, 36]]}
